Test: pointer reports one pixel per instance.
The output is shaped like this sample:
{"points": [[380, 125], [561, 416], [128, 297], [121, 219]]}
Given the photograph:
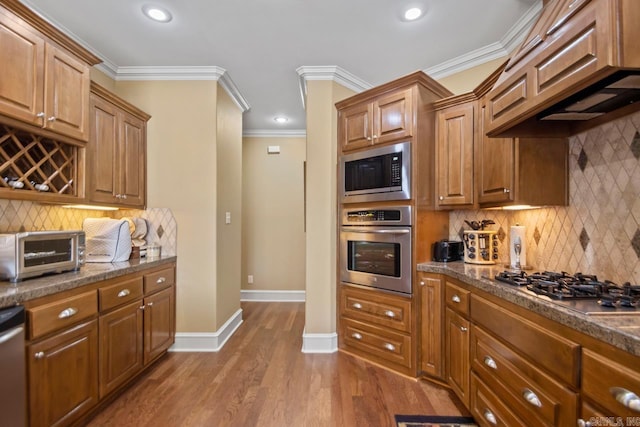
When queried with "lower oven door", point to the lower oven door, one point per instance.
{"points": [[379, 257]]}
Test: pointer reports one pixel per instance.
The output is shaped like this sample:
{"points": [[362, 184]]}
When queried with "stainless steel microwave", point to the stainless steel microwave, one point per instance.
{"points": [[34, 253], [382, 173]]}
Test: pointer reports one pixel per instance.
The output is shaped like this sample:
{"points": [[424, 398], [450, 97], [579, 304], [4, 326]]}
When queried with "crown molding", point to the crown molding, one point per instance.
{"points": [[510, 41], [328, 72], [164, 73], [275, 133]]}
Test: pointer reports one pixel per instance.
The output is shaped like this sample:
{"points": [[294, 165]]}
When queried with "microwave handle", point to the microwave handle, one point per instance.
{"points": [[377, 230]]}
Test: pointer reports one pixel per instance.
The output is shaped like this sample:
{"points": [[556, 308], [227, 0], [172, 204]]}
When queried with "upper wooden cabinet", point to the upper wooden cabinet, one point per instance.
{"points": [[571, 51], [388, 118], [455, 137], [43, 84], [116, 153]]}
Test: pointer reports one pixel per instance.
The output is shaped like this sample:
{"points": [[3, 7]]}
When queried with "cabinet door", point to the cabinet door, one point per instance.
{"points": [[132, 161], [120, 346], [457, 354], [497, 168], [66, 94], [454, 140], [63, 376], [356, 127], [22, 78], [101, 152], [431, 360], [393, 117], [159, 324]]}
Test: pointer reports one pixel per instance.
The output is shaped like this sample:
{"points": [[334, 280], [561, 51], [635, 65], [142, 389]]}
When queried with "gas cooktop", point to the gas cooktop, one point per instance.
{"points": [[580, 292]]}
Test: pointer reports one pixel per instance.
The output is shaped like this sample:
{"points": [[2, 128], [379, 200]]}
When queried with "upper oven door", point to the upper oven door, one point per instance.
{"points": [[382, 173], [379, 257]]}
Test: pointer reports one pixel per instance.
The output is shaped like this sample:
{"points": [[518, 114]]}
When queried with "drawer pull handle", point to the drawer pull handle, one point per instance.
{"points": [[67, 312], [356, 336], [150, 304], [626, 397], [531, 397], [455, 299], [488, 360], [357, 305], [464, 329], [161, 280], [488, 415], [123, 293], [390, 347], [390, 314], [39, 355]]}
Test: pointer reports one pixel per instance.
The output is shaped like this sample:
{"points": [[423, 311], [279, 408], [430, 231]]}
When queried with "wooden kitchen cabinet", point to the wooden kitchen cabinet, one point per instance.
{"points": [[457, 354], [116, 153], [387, 118], [455, 136], [159, 323], [63, 375], [431, 325], [46, 86]]}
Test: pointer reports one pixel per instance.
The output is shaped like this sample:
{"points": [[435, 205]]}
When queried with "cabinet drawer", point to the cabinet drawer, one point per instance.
{"points": [[531, 393], [487, 407], [376, 308], [550, 352], [120, 293], [159, 280], [603, 379], [457, 298], [383, 343], [59, 314]]}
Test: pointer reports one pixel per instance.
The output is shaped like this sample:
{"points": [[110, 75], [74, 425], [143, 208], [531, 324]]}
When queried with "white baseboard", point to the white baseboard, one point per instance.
{"points": [[319, 343], [276, 296], [207, 341]]}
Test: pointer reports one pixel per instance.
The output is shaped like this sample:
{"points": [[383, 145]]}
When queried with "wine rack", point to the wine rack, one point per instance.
{"points": [[31, 164]]}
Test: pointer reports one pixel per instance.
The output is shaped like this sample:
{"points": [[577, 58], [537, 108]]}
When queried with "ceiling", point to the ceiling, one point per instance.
{"points": [[259, 44]]}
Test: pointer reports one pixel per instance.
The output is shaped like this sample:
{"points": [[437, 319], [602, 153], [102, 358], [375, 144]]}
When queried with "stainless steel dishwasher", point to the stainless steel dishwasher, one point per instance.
{"points": [[13, 394]]}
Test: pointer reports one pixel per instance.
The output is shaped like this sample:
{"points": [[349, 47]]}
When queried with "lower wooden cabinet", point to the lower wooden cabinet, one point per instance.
{"points": [[159, 329], [457, 354], [431, 325], [63, 375]]}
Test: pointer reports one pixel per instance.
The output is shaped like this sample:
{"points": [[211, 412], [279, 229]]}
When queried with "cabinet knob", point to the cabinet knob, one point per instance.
{"points": [[421, 282], [67, 312], [150, 304], [441, 198], [51, 119], [142, 307], [464, 329], [456, 299], [626, 398], [123, 293], [506, 190], [356, 335], [161, 280], [357, 305], [390, 347], [583, 423], [40, 114], [488, 415], [488, 360], [390, 314], [39, 355], [118, 196], [368, 138], [531, 397], [124, 196]]}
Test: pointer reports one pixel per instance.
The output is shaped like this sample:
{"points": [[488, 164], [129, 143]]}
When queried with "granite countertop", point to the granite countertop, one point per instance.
{"points": [[17, 293], [619, 330]]}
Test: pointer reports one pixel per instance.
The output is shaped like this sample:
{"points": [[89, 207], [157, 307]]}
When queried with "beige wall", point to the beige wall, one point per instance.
{"points": [[102, 79], [467, 80], [322, 130], [181, 175], [273, 236], [229, 199]]}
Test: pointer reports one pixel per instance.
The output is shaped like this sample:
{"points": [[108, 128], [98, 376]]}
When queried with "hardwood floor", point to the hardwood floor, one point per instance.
{"points": [[261, 378]]}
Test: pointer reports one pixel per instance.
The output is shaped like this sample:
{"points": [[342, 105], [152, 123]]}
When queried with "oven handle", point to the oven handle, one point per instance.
{"points": [[377, 230]]}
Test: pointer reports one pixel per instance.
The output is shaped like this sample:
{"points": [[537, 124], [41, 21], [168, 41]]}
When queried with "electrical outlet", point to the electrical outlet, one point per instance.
{"points": [[250, 279], [227, 218]]}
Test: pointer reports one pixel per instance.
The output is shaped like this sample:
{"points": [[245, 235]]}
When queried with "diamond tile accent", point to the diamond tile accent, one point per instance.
{"points": [[501, 235], [635, 145], [160, 231], [584, 239], [537, 236], [582, 160], [635, 243]]}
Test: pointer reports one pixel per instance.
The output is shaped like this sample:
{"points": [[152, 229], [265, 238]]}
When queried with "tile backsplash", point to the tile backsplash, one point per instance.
{"points": [[16, 215], [599, 232]]}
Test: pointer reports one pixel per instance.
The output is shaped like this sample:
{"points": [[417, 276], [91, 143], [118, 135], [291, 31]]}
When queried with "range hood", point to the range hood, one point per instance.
{"points": [[578, 67]]}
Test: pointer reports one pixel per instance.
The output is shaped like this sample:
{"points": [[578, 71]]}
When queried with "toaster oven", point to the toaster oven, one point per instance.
{"points": [[34, 253]]}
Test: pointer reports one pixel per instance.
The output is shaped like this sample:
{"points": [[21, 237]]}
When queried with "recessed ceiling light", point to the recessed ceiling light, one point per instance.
{"points": [[156, 13], [281, 119], [413, 14]]}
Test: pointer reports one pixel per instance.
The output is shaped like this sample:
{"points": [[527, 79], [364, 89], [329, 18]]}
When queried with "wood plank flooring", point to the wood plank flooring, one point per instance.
{"points": [[261, 378]]}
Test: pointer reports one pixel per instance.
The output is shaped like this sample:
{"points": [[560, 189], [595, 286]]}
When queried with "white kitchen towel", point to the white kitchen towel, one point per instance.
{"points": [[517, 232], [107, 240]]}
